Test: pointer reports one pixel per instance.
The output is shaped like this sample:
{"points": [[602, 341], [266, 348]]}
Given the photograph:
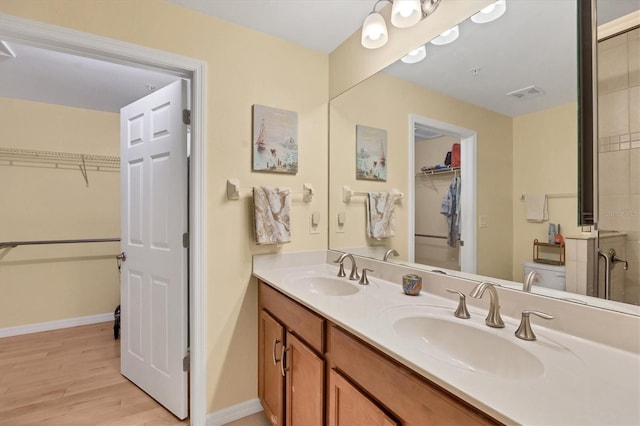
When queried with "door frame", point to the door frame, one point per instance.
{"points": [[468, 193], [79, 43]]}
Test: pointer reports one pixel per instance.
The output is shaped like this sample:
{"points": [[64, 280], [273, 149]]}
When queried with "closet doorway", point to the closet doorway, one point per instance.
{"points": [[442, 187], [84, 45]]}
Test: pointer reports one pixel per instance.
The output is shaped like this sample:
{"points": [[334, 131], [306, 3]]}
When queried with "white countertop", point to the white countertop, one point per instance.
{"points": [[577, 381]]}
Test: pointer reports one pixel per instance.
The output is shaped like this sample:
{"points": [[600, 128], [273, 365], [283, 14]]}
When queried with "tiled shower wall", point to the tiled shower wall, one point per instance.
{"points": [[619, 148]]}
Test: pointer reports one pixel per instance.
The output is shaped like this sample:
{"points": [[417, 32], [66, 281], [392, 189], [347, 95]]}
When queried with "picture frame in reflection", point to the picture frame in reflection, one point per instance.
{"points": [[371, 153]]}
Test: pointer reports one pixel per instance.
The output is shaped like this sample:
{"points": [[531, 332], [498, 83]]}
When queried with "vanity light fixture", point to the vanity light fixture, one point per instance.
{"points": [[415, 55], [490, 13], [447, 37], [404, 14], [374, 29]]}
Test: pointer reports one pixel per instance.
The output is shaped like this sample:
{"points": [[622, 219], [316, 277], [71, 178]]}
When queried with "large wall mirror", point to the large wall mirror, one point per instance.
{"points": [[500, 105]]}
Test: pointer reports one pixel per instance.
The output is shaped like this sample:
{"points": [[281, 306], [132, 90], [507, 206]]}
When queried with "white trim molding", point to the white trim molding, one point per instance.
{"points": [[233, 413], [80, 43], [19, 330]]}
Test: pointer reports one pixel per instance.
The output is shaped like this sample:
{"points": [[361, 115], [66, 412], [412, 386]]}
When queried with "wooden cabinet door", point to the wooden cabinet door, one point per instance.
{"points": [[270, 378], [305, 384], [350, 407]]}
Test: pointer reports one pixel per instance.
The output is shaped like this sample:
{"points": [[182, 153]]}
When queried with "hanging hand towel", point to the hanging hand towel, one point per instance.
{"points": [[535, 206], [272, 211], [380, 214]]}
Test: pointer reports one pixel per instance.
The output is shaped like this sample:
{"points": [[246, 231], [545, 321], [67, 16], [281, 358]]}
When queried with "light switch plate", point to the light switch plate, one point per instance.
{"points": [[314, 223]]}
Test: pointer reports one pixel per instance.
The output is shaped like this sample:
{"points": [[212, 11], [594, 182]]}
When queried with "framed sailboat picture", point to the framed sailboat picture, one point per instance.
{"points": [[371, 153], [275, 140]]}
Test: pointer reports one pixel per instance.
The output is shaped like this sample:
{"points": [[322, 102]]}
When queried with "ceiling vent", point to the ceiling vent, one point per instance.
{"points": [[526, 93], [423, 132]]}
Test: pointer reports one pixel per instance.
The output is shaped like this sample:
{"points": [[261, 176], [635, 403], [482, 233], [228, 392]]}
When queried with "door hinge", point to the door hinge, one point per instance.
{"points": [[185, 240], [186, 361], [186, 116]]}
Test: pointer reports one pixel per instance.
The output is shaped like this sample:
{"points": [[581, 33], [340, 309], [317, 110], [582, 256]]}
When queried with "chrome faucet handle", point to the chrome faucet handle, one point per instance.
{"points": [[461, 311], [524, 331], [341, 272], [364, 280]]}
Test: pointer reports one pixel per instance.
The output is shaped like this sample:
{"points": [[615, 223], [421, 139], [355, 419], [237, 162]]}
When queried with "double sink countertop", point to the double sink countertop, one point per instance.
{"points": [[558, 379]]}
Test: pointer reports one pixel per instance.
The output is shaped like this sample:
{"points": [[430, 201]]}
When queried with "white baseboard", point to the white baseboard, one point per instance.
{"points": [[55, 325], [233, 413]]}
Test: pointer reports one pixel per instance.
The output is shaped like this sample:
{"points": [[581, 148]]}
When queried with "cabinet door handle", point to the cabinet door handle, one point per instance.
{"points": [[283, 369], [273, 353]]}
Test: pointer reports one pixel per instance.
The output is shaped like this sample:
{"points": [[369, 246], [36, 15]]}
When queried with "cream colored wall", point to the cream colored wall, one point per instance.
{"points": [[544, 162], [386, 102], [244, 67], [47, 283]]}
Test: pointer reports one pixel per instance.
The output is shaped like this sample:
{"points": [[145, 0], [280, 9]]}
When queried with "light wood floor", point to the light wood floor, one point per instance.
{"points": [[71, 377]]}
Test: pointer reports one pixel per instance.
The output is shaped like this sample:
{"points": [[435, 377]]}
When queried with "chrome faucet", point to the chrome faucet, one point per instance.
{"points": [[614, 258], [354, 269], [493, 318], [531, 277], [389, 253]]}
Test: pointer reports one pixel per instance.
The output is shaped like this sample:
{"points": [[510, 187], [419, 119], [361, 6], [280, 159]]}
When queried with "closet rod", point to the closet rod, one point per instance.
{"points": [[431, 236], [36, 243]]}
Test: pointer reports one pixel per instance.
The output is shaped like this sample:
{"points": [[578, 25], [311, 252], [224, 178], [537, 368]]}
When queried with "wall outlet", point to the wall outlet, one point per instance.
{"points": [[484, 221]]}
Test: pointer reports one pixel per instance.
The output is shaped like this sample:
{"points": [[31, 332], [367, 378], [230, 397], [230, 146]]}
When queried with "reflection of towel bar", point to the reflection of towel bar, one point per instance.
{"points": [[560, 195], [431, 236], [233, 190], [347, 193]]}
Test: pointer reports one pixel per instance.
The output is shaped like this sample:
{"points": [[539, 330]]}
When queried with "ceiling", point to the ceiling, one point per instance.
{"points": [[53, 77]]}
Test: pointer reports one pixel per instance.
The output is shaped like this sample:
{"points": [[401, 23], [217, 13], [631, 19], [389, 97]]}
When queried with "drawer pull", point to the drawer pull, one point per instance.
{"points": [[275, 342], [283, 369]]}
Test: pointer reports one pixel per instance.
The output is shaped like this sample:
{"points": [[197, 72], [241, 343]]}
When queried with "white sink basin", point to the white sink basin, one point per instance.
{"points": [[330, 286], [325, 285], [467, 344], [468, 347]]}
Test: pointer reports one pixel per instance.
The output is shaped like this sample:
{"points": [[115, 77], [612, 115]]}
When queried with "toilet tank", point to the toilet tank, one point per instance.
{"points": [[551, 276]]}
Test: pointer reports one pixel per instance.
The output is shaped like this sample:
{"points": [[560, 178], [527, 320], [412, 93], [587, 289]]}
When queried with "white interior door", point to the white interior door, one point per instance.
{"points": [[153, 286]]}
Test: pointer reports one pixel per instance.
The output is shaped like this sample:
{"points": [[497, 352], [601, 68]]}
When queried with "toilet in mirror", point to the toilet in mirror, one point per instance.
{"points": [[504, 99]]}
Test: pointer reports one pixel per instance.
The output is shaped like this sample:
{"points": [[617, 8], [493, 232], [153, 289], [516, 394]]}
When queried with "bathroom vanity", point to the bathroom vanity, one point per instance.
{"points": [[300, 352], [334, 352]]}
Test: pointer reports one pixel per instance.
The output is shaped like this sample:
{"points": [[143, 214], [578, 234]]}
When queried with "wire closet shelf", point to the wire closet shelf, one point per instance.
{"points": [[65, 160]]}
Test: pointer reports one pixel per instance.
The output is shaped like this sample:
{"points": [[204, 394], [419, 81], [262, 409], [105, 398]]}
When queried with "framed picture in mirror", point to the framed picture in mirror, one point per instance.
{"points": [[371, 153]]}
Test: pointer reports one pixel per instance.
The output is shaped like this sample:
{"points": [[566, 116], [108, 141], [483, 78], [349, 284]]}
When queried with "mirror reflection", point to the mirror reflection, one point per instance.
{"points": [[501, 101]]}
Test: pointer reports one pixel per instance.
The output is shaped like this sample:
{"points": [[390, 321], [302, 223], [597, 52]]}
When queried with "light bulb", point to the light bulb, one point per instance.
{"points": [[447, 37], [374, 31], [415, 55], [406, 13], [490, 13]]}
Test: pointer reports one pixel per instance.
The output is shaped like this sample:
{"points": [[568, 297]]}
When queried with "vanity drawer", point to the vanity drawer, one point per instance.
{"points": [[407, 395], [295, 317]]}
